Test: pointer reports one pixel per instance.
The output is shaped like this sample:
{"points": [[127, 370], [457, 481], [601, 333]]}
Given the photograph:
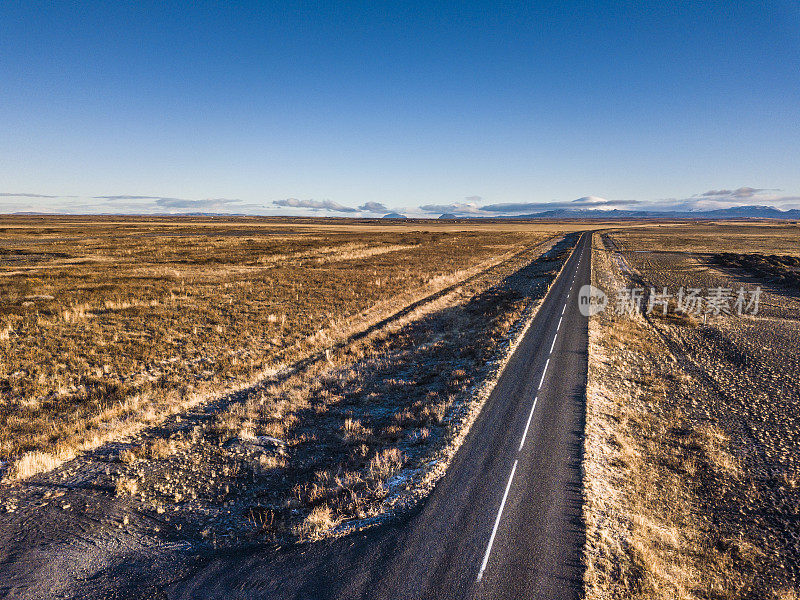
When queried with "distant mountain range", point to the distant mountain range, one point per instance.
{"points": [[734, 212]]}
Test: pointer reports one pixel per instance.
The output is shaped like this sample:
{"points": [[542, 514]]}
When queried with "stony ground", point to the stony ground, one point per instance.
{"points": [[693, 438]]}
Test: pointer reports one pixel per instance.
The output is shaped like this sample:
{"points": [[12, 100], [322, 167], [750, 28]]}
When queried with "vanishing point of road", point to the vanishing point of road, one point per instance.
{"points": [[505, 521]]}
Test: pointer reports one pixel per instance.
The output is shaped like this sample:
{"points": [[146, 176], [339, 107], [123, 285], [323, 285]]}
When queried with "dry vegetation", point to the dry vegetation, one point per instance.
{"points": [[349, 439], [107, 326], [692, 432], [389, 341], [782, 270]]}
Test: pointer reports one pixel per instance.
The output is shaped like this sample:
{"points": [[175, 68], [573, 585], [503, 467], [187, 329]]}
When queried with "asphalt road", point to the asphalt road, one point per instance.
{"points": [[504, 522]]}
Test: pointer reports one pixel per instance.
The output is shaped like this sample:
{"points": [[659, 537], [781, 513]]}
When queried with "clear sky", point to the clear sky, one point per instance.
{"points": [[321, 108]]}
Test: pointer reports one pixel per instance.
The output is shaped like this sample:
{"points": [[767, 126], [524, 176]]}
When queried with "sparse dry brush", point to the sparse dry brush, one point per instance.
{"points": [[783, 270], [108, 326], [358, 435], [690, 441]]}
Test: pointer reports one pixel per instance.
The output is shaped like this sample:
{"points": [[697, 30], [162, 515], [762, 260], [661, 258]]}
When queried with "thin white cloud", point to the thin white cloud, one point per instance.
{"points": [[205, 204], [329, 205], [458, 208], [131, 202], [593, 201], [726, 198], [128, 197], [27, 195], [374, 207], [742, 192], [586, 202], [710, 200], [470, 206]]}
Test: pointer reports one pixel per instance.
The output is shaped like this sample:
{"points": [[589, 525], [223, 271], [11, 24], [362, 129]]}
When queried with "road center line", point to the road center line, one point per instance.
{"points": [[497, 522], [528, 424], [521, 444], [541, 381]]}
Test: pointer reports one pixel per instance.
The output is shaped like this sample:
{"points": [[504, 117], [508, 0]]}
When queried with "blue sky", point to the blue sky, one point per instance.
{"points": [[303, 108]]}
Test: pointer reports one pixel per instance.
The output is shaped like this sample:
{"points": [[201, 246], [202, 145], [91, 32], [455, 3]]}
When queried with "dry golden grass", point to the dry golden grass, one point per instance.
{"points": [[127, 486], [34, 462], [683, 499], [359, 434], [317, 523], [109, 325], [767, 238], [648, 533]]}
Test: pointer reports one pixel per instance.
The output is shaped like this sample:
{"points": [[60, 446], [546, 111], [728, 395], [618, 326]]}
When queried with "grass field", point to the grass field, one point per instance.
{"points": [[691, 474], [365, 432], [107, 325], [236, 381], [222, 382]]}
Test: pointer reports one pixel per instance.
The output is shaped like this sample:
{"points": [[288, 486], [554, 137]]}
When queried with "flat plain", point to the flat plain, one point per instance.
{"points": [[108, 324], [692, 431], [220, 383], [179, 386]]}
